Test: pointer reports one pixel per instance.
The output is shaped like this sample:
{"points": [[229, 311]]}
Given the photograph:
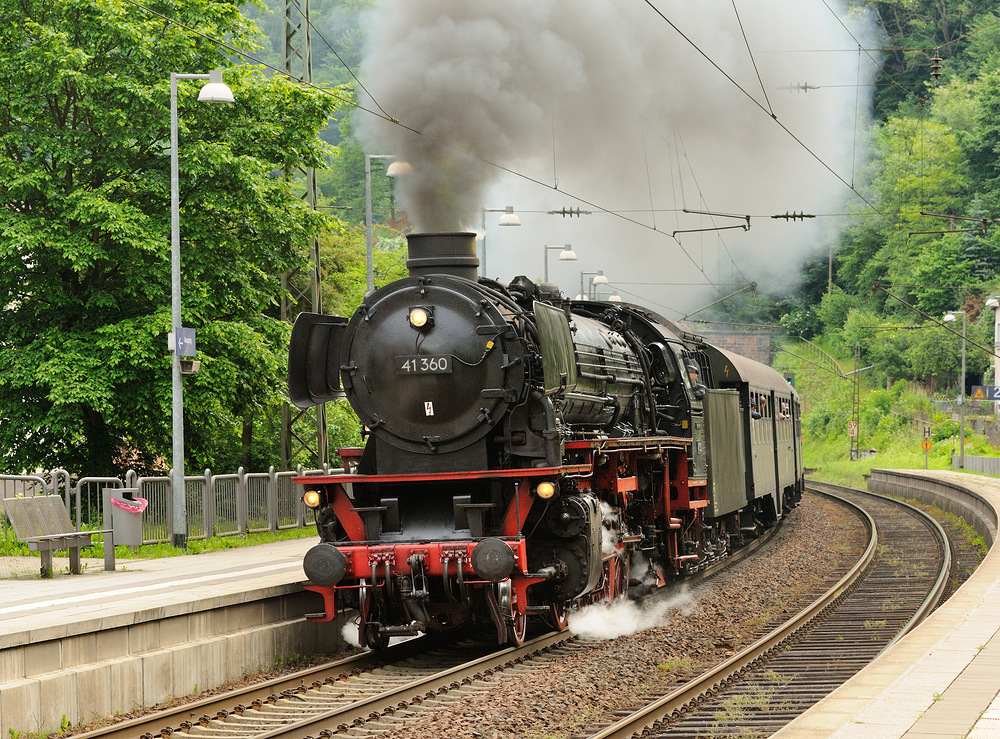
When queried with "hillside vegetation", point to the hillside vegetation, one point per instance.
{"points": [[891, 420]]}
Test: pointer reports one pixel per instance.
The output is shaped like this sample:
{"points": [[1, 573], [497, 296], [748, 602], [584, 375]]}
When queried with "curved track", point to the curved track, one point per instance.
{"points": [[366, 692], [894, 585]]}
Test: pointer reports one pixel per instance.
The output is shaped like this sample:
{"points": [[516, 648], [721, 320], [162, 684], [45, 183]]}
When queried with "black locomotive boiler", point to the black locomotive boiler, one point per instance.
{"points": [[526, 454]]}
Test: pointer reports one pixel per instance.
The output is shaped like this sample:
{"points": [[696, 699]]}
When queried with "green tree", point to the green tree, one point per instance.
{"points": [[343, 257], [84, 233], [834, 309], [918, 30], [935, 355]]}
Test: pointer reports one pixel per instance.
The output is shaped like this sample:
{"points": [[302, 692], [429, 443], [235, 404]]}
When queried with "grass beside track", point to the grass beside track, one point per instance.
{"points": [[11, 547]]}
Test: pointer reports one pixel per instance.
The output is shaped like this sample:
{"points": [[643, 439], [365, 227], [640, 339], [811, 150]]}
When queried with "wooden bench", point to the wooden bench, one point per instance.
{"points": [[42, 522]]}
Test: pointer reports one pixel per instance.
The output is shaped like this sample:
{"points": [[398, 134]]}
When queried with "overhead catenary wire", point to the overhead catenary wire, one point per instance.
{"points": [[881, 68], [396, 122], [752, 60], [679, 150], [345, 65], [949, 329], [621, 214], [771, 115]]}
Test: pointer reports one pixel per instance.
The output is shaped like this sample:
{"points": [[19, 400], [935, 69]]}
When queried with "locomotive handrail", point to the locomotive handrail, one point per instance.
{"points": [[633, 442]]}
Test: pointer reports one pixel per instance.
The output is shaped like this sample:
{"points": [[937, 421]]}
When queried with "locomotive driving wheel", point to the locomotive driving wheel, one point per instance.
{"points": [[616, 574], [517, 623], [370, 632], [558, 616]]}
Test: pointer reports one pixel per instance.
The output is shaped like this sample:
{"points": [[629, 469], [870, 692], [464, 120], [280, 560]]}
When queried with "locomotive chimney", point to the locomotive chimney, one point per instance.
{"points": [[443, 254]]}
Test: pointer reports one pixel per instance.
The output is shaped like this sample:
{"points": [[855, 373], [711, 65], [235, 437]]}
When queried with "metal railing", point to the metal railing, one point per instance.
{"points": [[217, 505]]}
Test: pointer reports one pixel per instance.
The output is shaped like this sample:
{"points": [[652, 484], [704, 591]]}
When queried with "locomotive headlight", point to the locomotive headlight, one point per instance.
{"points": [[312, 498], [421, 318], [546, 490]]}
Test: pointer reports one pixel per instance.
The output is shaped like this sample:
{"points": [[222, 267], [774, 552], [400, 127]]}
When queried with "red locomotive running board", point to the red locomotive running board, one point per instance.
{"points": [[346, 477]]}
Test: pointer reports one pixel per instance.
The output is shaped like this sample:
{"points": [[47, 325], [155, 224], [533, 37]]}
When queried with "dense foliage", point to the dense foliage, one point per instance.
{"points": [[930, 243], [84, 234]]}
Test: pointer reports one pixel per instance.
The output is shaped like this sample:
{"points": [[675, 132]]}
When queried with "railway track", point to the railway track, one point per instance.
{"points": [[374, 695], [366, 693], [897, 582]]}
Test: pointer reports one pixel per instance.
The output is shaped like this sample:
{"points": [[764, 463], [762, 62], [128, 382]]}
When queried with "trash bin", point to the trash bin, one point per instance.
{"points": [[126, 517]]}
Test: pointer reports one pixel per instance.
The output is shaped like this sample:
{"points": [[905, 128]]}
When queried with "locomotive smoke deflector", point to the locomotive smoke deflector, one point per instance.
{"points": [[314, 359]]}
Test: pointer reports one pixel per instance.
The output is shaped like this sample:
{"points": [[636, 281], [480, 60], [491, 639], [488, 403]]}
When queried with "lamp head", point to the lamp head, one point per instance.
{"points": [[216, 91], [600, 279], [949, 318], [509, 218], [398, 169], [993, 302], [567, 255]]}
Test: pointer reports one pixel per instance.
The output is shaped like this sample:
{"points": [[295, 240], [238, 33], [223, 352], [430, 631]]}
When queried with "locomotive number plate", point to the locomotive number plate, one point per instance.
{"points": [[424, 364]]}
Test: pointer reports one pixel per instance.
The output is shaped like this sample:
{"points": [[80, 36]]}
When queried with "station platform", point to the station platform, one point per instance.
{"points": [[78, 648], [30, 605], [943, 678]]}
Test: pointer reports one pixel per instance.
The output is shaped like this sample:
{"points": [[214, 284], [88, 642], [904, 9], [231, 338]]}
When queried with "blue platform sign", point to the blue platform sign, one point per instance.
{"points": [[184, 342], [985, 392]]}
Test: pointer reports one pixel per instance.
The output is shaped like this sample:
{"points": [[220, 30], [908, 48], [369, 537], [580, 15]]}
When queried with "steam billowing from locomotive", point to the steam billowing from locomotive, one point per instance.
{"points": [[607, 101]]}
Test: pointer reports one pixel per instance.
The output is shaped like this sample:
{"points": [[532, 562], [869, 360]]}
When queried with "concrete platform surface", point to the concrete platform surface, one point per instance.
{"points": [[65, 602], [940, 680], [79, 648]]}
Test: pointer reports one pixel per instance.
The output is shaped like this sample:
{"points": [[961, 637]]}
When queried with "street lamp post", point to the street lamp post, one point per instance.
{"points": [[566, 254], [591, 291], [961, 393], [395, 169], [509, 218], [216, 91]]}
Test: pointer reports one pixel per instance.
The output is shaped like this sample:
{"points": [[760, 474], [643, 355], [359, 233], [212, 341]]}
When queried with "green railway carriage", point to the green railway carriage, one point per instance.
{"points": [[770, 457]]}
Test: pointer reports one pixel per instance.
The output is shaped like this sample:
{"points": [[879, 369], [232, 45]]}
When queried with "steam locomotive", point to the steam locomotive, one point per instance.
{"points": [[525, 454]]}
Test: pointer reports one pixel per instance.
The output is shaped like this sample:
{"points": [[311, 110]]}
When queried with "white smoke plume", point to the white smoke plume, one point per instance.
{"points": [[349, 633], [609, 529], [621, 618], [608, 103]]}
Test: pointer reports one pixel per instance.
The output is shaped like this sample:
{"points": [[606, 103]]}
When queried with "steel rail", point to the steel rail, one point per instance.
{"points": [[419, 689], [940, 584], [259, 692], [672, 703], [245, 704]]}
